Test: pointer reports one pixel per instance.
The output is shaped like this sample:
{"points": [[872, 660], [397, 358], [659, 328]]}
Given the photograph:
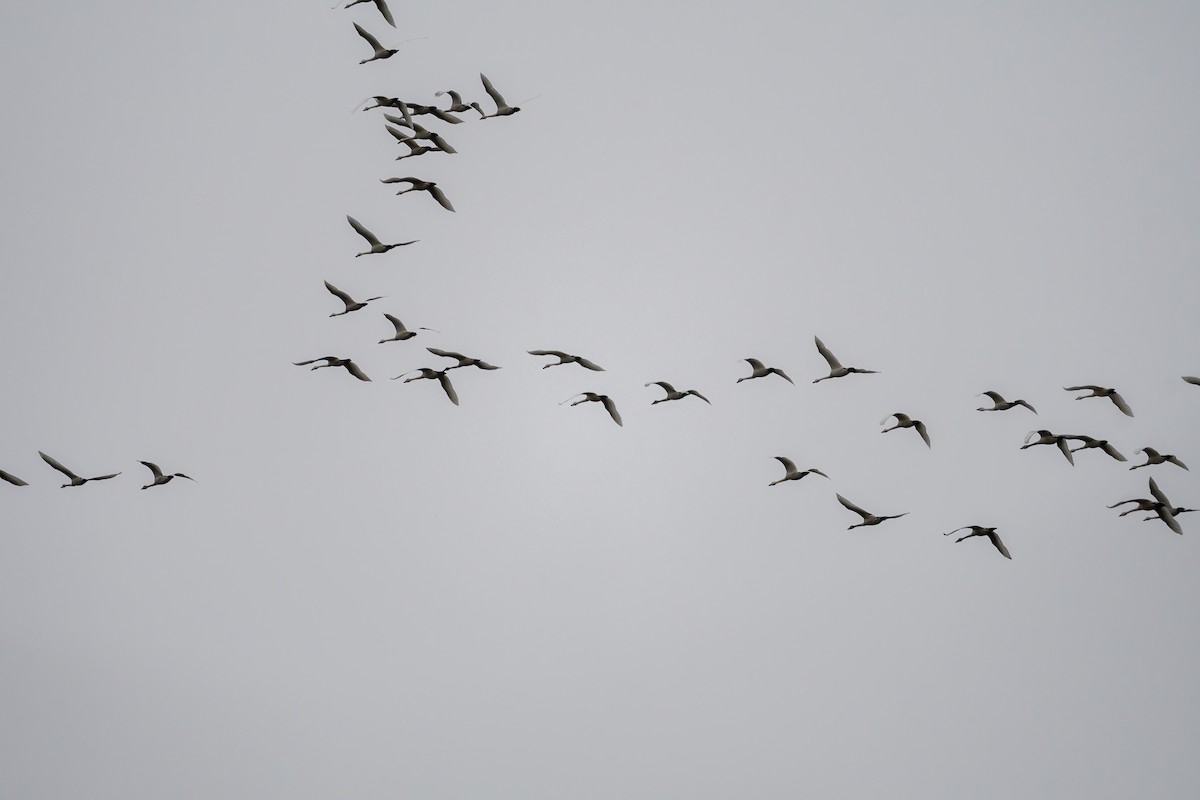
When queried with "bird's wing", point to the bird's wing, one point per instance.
{"points": [[956, 530], [583, 362], [755, 363], [497, 98], [999, 545], [1120, 403], [398, 180], [816, 471], [828, 356], [852, 507], [668, 388], [783, 375], [1112, 451], [788, 464], [328, 359], [612, 409], [339, 294], [1192, 379], [558, 353], [1066, 449], [448, 387], [1023, 403], [362, 231], [399, 326], [354, 370], [104, 477], [1030, 435], [996, 397], [903, 419], [402, 137], [1177, 462], [1164, 513], [54, 463], [447, 354], [153, 468], [442, 144], [920, 426], [440, 197], [13, 479], [371, 40], [705, 399], [1149, 451], [445, 116], [1158, 494], [387, 12], [1083, 388]]}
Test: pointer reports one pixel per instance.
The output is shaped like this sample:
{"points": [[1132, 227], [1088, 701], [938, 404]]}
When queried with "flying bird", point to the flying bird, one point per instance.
{"points": [[978, 530], [673, 394], [905, 421], [1160, 505], [334, 361], [1100, 391], [604, 399], [868, 517], [433, 374], [565, 358], [159, 477], [13, 479], [418, 149], [418, 132], [791, 473], [381, 5], [457, 105], [381, 52], [463, 361], [1155, 457], [503, 109], [1089, 442], [402, 333], [350, 303], [418, 185], [836, 370], [1000, 404], [75, 479], [1046, 437], [759, 370], [376, 245]]}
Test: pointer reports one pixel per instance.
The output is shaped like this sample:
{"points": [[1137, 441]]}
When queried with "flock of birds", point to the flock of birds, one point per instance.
{"points": [[418, 140]]}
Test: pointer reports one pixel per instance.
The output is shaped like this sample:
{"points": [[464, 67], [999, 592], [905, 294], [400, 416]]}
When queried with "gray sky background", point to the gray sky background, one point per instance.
{"points": [[369, 592]]}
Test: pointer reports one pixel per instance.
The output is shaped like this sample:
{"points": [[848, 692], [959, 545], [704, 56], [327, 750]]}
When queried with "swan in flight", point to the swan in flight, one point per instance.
{"points": [[1000, 404], [565, 358], [673, 394], [403, 334], [1100, 391], [380, 4], [905, 421], [75, 479], [159, 477], [759, 370], [13, 479], [1155, 457], [1046, 437], [463, 361], [791, 473], [836, 370], [457, 106], [868, 517], [381, 52], [433, 374], [334, 361], [1089, 442], [978, 530], [1160, 505], [418, 185], [350, 303], [605, 400], [418, 132], [376, 245], [503, 109]]}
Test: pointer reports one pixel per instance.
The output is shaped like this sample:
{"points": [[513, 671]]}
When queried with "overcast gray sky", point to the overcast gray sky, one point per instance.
{"points": [[369, 592]]}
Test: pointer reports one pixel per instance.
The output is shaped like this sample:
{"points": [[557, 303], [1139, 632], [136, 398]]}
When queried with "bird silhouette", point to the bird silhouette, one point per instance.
{"points": [[376, 245], [978, 530], [1192, 379], [791, 473], [1155, 457], [905, 421], [457, 106], [1100, 391], [605, 400], [418, 185], [10, 478], [463, 361], [673, 394], [503, 109], [867, 516], [1046, 437], [75, 479], [1000, 404], [433, 374], [1089, 443], [418, 132], [403, 334], [381, 52], [759, 370], [836, 370], [350, 303], [565, 358], [335, 361], [159, 478]]}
